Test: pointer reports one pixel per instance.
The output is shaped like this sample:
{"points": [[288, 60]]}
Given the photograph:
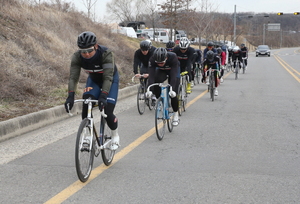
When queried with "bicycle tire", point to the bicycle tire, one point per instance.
{"points": [[170, 116], [159, 117], [244, 66], [237, 71], [212, 86], [105, 136], [141, 104], [197, 75], [180, 100], [84, 158], [228, 67]]}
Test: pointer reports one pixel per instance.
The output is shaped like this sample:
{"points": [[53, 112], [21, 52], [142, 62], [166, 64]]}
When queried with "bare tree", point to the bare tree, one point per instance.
{"points": [[89, 4], [124, 10]]}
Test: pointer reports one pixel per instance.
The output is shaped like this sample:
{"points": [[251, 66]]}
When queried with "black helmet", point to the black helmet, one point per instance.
{"points": [[170, 44], [242, 45], [210, 44], [160, 54], [210, 55], [86, 39], [219, 50], [145, 45]]}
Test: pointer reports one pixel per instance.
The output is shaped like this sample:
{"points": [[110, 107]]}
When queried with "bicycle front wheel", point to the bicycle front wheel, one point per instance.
{"points": [[84, 151], [105, 140], [170, 117], [180, 100], [237, 72], [160, 120], [141, 100]]}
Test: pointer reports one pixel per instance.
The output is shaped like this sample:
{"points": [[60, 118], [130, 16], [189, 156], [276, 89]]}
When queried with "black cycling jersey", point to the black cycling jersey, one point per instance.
{"points": [[142, 60]]}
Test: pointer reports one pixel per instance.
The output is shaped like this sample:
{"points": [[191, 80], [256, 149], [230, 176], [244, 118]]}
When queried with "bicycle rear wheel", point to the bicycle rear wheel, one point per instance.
{"points": [[197, 75], [212, 86], [105, 139], [228, 67], [237, 69], [84, 154], [141, 100], [160, 121], [180, 100]]}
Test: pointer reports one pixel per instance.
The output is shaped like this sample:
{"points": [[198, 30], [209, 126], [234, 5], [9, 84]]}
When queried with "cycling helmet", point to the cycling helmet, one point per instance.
{"points": [[236, 49], [145, 45], [210, 44], [160, 54], [170, 44], [210, 55], [242, 45], [86, 39], [229, 48], [219, 50], [184, 43]]}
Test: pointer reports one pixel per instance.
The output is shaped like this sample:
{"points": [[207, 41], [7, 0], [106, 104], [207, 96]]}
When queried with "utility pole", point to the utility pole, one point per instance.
{"points": [[234, 25]]}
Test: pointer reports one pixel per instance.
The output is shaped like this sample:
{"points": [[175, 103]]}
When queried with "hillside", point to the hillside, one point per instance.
{"points": [[37, 44]]}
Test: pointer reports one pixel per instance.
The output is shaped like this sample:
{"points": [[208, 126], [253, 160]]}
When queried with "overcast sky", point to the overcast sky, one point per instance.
{"points": [[256, 6]]}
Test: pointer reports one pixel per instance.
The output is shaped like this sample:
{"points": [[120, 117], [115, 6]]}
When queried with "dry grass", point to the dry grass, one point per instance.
{"points": [[36, 47]]}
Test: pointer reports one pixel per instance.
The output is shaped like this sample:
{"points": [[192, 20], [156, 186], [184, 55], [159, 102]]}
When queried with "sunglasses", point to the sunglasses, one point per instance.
{"points": [[169, 49], [161, 62], [183, 49], [87, 51]]}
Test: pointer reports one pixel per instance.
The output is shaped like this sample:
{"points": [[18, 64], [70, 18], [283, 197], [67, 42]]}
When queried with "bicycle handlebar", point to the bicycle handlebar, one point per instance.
{"points": [[160, 85], [87, 101], [141, 76]]}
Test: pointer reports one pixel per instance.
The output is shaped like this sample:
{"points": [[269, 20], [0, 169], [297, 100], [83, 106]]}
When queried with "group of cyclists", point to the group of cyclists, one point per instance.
{"points": [[155, 64]]}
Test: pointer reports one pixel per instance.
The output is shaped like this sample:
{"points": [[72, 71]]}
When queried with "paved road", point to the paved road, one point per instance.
{"points": [[241, 148]]}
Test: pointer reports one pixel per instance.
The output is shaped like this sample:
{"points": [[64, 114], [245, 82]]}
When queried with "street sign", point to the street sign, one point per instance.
{"points": [[273, 27]]}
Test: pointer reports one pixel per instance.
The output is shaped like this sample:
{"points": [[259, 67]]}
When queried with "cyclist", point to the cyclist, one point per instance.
{"points": [[222, 56], [197, 59], [164, 65], [185, 55], [170, 46], [244, 50], [141, 58], [236, 54], [212, 60], [210, 46], [102, 82]]}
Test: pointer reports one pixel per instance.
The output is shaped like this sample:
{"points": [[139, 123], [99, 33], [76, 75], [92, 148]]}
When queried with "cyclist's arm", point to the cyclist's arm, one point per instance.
{"points": [[108, 64], [75, 69], [136, 62]]}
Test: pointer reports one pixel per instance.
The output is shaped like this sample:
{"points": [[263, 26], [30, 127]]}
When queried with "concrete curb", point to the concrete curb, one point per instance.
{"points": [[23, 124]]}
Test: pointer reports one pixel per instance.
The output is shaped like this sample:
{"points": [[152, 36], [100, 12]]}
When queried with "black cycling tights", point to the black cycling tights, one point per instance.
{"points": [[111, 119]]}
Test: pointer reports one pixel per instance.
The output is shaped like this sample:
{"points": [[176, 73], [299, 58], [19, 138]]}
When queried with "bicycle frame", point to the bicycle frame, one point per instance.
{"points": [[165, 89]]}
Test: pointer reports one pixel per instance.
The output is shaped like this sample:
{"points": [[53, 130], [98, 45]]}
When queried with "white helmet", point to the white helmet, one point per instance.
{"points": [[184, 43]]}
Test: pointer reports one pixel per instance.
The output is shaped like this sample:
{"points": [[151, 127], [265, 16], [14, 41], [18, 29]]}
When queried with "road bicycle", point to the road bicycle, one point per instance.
{"points": [[244, 65], [212, 82], [182, 92], [197, 73], [89, 143], [163, 110], [142, 100]]}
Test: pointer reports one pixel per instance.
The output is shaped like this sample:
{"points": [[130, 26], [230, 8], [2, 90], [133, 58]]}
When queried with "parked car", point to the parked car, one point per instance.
{"points": [[263, 50]]}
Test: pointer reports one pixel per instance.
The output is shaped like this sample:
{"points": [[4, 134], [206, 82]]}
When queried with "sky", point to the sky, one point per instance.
{"points": [[226, 6]]}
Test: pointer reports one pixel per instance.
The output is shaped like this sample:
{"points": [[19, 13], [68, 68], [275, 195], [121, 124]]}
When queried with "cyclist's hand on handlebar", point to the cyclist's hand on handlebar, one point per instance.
{"points": [[102, 101], [70, 101], [145, 75], [149, 94], [172, 94], [137, 75]]}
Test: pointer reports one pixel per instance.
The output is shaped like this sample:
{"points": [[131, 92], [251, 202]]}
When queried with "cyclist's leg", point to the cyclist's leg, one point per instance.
{"points": [[92, 91]]}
